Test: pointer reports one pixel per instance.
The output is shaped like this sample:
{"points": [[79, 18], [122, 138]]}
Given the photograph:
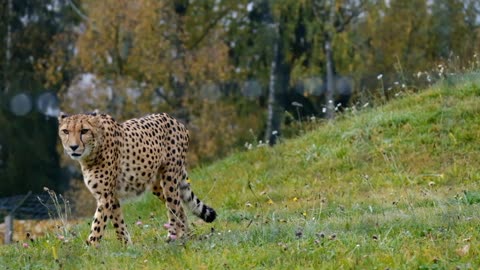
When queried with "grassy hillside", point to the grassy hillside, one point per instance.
{"points": [[391, 187]]}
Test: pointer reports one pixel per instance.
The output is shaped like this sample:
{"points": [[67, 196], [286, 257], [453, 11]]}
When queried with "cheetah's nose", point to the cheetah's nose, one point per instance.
{"points": [[73, 147]]}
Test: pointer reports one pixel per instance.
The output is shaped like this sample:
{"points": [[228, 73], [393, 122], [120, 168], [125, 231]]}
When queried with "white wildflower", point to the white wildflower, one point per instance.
{"points": [[250, 7]]}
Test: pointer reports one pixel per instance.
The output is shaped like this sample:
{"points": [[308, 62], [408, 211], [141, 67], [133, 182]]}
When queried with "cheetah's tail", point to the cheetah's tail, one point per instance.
{"points": [[198, 208]]}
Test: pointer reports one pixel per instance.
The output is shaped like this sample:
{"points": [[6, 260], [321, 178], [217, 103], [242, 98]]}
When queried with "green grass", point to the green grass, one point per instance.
{"points": [[390, 187]]}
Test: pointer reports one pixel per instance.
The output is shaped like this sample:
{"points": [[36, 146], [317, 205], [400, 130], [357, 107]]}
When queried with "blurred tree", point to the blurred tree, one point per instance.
{"points": [[152, 49], [27, 138], [403, 35], [452, 28], [297, 34], [149, 56], [402, 39]]}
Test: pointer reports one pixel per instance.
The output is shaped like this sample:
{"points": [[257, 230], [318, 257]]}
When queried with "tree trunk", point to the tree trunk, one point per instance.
{"points": [[330, 106], [8, 236], [8, 49], [271, 97], [279, 83]]}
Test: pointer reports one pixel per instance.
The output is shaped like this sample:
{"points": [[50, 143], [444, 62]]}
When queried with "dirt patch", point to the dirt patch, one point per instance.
{"points": [[31, 229]]}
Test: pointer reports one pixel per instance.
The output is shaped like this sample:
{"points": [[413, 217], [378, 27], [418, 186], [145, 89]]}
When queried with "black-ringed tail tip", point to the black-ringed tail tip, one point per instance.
{"points": [[208, 214]]}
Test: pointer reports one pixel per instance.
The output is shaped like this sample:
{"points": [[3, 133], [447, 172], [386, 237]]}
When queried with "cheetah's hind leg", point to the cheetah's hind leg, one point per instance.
{"points": [[165, 188]]}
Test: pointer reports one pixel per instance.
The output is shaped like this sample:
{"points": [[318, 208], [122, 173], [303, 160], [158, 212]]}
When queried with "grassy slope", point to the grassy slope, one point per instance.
{"points": [[390, 187]]}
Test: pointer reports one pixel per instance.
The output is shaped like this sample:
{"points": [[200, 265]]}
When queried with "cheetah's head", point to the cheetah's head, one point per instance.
{"points": [[79, 134]]}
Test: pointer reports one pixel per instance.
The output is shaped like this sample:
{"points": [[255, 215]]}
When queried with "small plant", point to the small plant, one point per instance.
{"points": [[58, 209], [382, 88], [469, 197]]}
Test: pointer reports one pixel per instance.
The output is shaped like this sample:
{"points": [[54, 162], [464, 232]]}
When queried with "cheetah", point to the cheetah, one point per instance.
{"points": [[124, 160]]}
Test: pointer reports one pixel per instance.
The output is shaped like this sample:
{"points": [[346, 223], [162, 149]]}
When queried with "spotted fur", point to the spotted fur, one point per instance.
{"points": [[125, 160]]}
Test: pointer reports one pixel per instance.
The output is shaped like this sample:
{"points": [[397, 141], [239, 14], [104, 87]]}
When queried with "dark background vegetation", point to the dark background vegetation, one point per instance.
{"points": [[235, 72]]}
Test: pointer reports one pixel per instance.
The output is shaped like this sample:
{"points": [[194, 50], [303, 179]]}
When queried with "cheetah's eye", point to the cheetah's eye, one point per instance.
{"points": [[83, 131], [65, 131]]}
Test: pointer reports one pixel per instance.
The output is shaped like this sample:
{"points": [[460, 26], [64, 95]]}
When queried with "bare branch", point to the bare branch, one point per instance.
{"points": [[353, 12], [77, 10], [159, 93], [209, 27]]}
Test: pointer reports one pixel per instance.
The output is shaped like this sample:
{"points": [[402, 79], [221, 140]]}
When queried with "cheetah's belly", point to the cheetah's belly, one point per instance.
{"points": [[132, 185]]}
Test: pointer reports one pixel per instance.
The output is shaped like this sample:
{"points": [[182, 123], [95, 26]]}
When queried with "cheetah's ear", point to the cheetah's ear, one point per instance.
{"points": [[61, 116], [95, 112]]}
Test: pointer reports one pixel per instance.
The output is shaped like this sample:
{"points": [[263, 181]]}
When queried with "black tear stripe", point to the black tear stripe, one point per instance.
{"points": [[81, 140]]}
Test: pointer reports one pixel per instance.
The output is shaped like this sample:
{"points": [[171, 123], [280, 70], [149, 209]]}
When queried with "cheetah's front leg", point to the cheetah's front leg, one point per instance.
{"points": [[108, 207], [98, 223], [119, 223]]}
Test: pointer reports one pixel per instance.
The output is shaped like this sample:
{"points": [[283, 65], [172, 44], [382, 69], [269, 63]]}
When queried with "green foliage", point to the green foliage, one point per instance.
{"points": [[153, 56], [389, 187]]}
